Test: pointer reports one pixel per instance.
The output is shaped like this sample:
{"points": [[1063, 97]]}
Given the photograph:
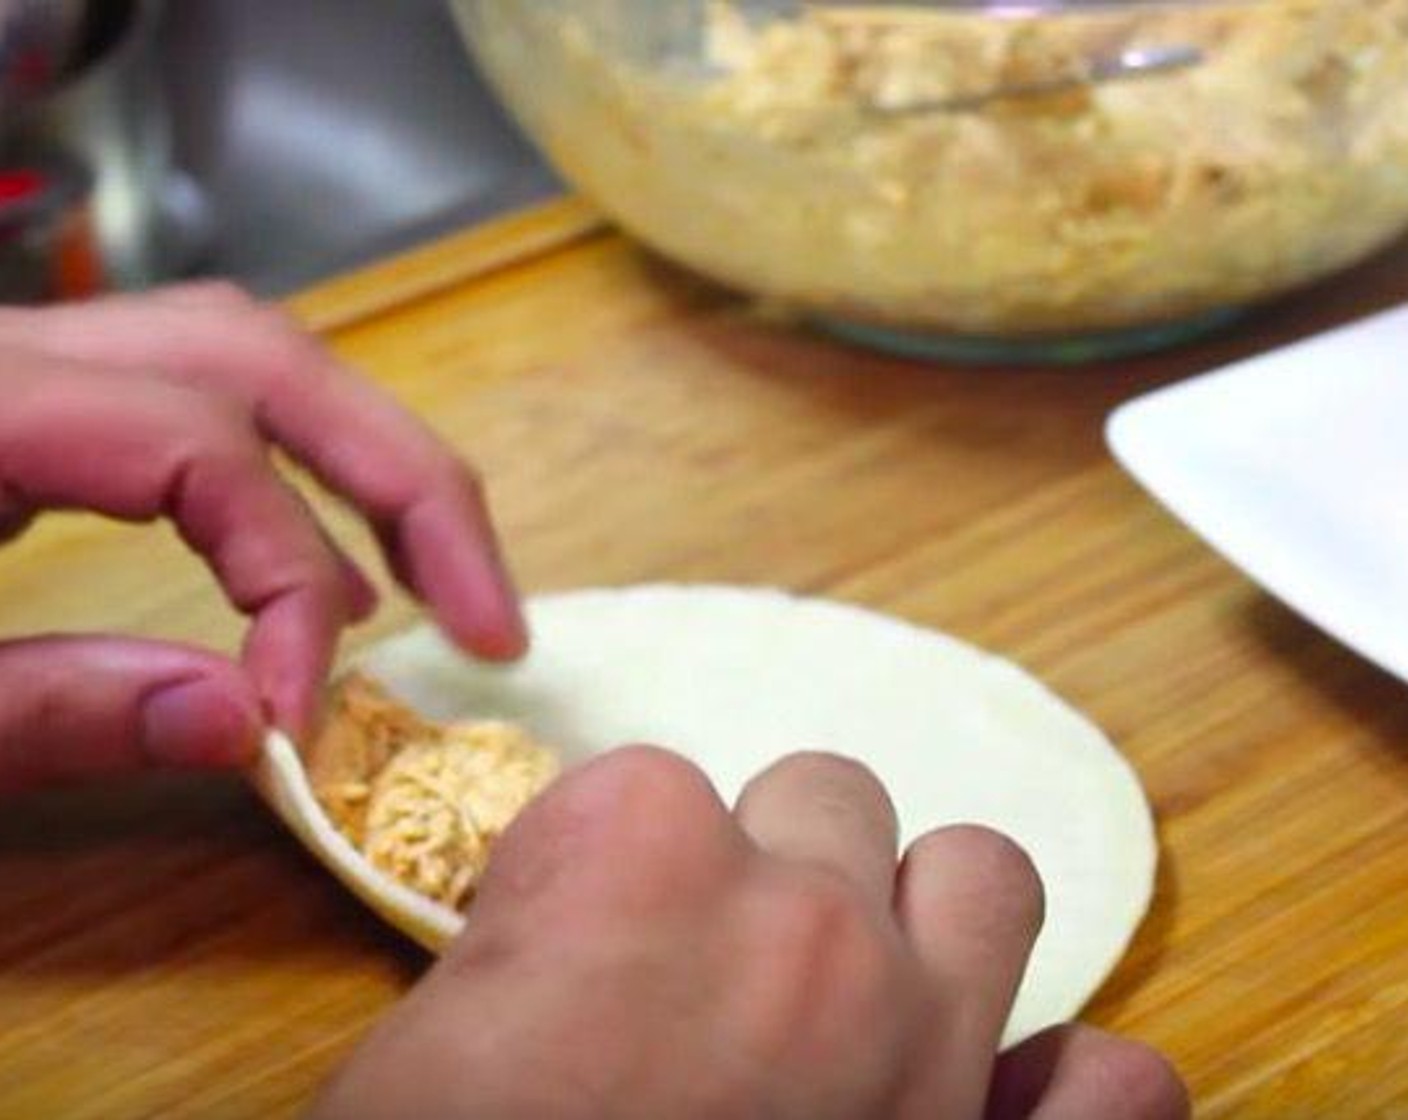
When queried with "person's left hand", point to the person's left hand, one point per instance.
{"points": [[167, 406]]}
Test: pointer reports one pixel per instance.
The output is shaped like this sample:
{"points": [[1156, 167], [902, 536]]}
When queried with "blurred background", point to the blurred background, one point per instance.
{"points": [[273, 141]]}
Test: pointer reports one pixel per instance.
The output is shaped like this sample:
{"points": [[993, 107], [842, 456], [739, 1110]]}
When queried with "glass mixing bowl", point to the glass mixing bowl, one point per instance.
{"points": [[957, 179]]}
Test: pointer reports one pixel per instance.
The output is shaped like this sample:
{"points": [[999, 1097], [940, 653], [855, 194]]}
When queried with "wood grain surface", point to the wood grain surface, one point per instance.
{"points": [[165, 950]]}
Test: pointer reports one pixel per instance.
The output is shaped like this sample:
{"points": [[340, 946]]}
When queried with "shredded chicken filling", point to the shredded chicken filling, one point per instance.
{"points": [[760, 160], [425, 803]]}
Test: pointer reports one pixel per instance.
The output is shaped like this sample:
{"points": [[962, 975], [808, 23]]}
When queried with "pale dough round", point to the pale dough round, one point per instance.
{"points": [[735, 678]]}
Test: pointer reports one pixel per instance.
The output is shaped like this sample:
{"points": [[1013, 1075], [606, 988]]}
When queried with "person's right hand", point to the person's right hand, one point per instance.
{"points": [[639, 951]]}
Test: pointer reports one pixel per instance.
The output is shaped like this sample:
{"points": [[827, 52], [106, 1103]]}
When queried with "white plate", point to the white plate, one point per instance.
{"points": [[1294, 465]]}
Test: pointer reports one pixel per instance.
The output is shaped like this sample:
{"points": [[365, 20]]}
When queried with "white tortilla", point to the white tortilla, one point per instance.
{"points": [[735, 678]]}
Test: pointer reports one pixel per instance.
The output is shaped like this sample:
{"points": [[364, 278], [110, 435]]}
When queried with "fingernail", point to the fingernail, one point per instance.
{"points": [[501, 636], [198, 724], [513, 627], [491, 622]]}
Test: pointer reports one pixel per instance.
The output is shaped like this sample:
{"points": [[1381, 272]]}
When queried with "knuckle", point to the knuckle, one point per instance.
{"points": [[995, 851], [315, 576], [221, 294], [656, 831], [218, 426], [823, 965], [816, 907], [652, 779], [251, 320], [281, 325], [840, 782], [269, 331], [1143, 1080], [437, 473], [227, 297], [998, 861], [295, 355], [454, 474], [830, 769]]}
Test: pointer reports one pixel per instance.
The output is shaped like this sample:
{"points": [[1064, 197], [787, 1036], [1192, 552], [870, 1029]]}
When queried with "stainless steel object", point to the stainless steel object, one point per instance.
{"points": [[39, 40], [1132, 62], [48, 248], [322, 134], [1137, 62], [112, 114], [275, 142]]}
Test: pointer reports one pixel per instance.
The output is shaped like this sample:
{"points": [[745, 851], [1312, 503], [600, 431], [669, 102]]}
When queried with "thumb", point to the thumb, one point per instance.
{"points": [[79, 708]]}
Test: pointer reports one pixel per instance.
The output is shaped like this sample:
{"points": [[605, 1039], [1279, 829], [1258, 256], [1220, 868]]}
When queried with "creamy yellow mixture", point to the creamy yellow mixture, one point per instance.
{"points": [[424, 803], [1281, 158]]}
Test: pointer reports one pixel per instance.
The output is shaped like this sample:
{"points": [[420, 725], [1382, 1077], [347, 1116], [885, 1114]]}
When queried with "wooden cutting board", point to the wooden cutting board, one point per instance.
{"points": [[166, 950]]}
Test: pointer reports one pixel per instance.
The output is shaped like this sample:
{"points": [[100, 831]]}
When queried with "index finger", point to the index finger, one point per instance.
{"points": [[72, 439], [425, 505]]}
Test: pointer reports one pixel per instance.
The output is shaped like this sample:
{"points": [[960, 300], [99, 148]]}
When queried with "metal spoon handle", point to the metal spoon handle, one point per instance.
{"points": [[1140, 62]]}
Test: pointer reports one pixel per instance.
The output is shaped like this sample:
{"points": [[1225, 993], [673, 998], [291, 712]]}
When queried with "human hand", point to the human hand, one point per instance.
{"points": [[167, 406], [638, 951]]}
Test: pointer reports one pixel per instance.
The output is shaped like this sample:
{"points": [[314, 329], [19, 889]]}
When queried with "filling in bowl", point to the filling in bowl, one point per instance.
{"points": [[766, 151]]}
